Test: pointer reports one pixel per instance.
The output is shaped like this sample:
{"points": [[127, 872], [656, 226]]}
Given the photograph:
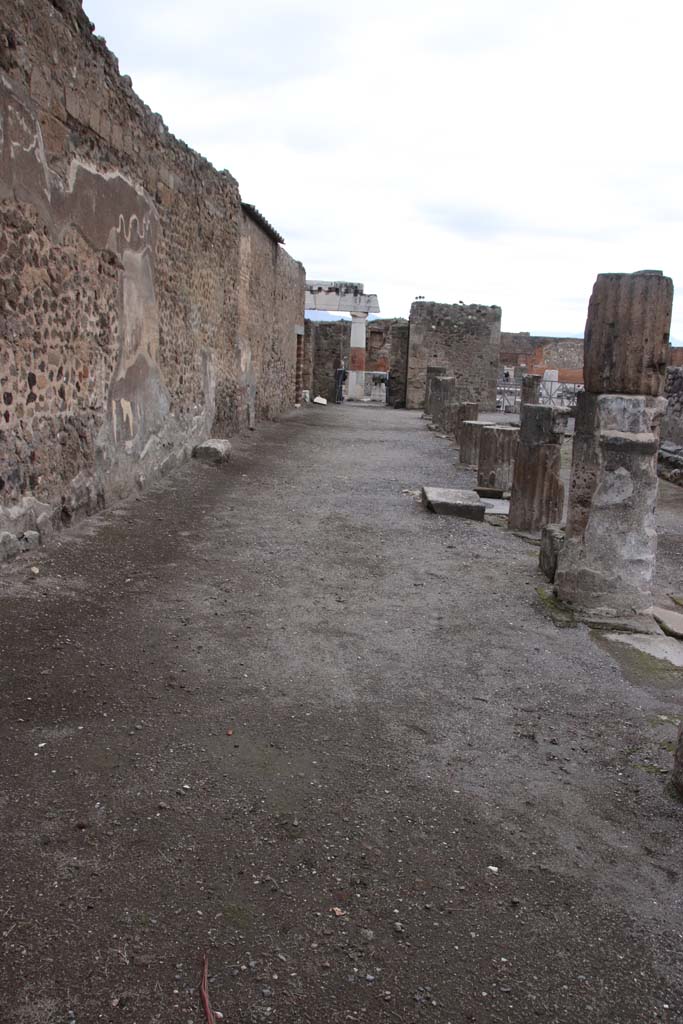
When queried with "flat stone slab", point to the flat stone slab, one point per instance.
{"points": [[662, 647], [215, 449], [670, 622], [453, 502], [497, 506]]}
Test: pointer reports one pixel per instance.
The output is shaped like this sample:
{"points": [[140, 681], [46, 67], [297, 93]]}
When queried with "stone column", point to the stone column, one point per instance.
{"points": [[497, 450], [464, 411], [606, 563], [470, 435], [537, 491], [441, 399], [531, 389], [356, 384]]}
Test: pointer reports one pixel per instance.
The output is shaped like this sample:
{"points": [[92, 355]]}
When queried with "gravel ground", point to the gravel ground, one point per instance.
{"points": [[276, 713]]}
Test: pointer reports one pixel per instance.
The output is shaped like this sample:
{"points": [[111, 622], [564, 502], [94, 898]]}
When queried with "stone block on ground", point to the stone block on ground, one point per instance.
{"points": [[446, 501], [215, 450], [9, 546], [670, 622], [552, 539]]}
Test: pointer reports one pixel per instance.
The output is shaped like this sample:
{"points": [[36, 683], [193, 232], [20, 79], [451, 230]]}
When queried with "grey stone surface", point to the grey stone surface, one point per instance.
{"points": [[453, 502], [216, 450], [671, 622], [30, 539]]}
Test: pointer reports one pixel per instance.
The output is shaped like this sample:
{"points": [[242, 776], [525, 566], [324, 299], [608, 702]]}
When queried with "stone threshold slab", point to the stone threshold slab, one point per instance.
{"points": [[445, 501]]}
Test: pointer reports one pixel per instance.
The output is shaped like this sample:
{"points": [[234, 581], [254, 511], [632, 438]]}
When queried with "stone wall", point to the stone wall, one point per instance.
{"points": [[328, 341], [463, 339], [141, 307], [672, 423]]}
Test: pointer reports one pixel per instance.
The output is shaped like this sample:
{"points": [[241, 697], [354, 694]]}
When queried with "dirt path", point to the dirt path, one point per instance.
{"points": [[263, 692]]}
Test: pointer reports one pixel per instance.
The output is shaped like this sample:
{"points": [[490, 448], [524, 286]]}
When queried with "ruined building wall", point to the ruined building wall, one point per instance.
{"points": [[140, 309], [463, 339]]}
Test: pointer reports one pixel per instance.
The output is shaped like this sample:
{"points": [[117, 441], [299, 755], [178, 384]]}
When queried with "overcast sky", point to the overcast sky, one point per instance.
{"points": [[494, 151]]}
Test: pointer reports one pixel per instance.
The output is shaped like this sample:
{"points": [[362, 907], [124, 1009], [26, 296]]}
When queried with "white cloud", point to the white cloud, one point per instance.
{"points": [[483, 150]]}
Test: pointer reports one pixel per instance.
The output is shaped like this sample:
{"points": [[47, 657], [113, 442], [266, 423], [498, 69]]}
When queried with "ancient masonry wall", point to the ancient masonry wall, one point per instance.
{"points": [[141, 308], [672, 423], [465, 340], [328, 341]]}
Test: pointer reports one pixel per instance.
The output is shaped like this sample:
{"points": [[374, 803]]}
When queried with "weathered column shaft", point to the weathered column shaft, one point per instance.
{"points": [[497, 450], [470, 435], [537, 491], [606, 564], [627, 334], [464, 411]]}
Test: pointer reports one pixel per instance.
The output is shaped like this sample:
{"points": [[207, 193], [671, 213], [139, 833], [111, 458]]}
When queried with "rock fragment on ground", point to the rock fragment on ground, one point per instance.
{"points": [[215, 450], [670, 622]]}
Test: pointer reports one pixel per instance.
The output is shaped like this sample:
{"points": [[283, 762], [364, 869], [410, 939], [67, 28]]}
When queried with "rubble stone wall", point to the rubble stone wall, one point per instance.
{"points": [[463, 339], [672, 423], [141, 309]]}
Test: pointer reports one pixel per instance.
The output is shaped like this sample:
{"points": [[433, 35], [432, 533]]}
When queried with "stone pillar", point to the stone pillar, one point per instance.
{"points": [[531, 389], [441, 398], [606, 563], [497, 450], [356, 384], [464, 411], [470, 435], [432, 373], [537, 491]]}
